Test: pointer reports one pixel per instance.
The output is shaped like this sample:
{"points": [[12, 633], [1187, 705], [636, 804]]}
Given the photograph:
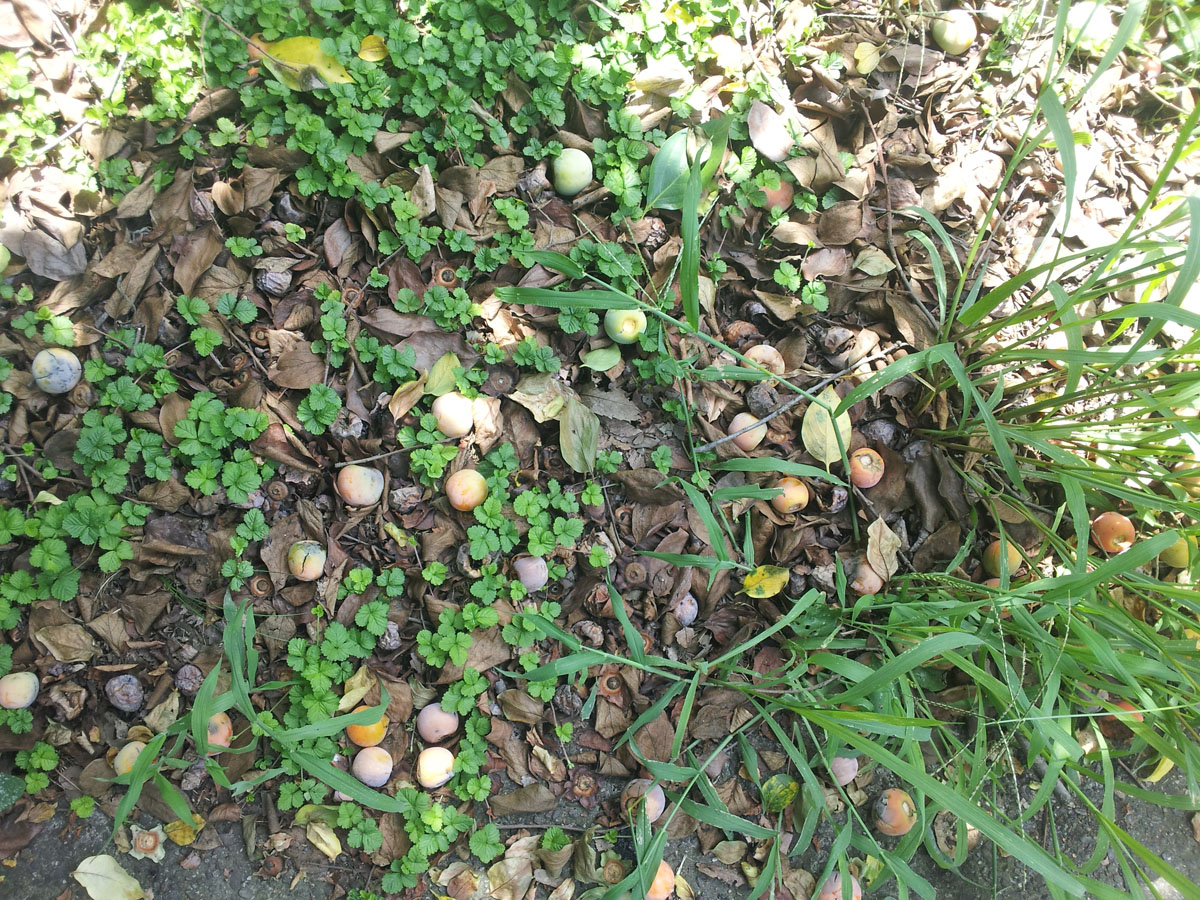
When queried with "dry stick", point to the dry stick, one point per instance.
{"points": [[887, 193], [791, 403]]}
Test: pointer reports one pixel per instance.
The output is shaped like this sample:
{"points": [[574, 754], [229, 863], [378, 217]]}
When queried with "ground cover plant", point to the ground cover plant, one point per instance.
{"points": [[761, 439]]}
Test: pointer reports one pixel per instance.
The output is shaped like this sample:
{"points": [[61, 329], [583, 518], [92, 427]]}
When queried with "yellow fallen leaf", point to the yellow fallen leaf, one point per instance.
{"points": [[323, 838], [1165, 765], [104, 879], [866, 58], [183, 834], [821, 432], [300, 63], [766, 581], [358, 686], [372, 48]]}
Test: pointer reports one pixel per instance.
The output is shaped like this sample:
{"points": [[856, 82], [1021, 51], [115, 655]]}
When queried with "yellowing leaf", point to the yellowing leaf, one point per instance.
{"points": [[301, 64], [104, 879], [441, 378], [866, 58], [323, 838], [821, 432], [766, 581], [1165, 765], [184, 834], [372, 48], [358, 686]]}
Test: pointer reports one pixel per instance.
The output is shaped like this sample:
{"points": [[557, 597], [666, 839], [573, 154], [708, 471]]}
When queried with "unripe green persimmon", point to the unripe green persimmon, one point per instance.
{"points": [[955, 31], [571, 172], [624, 325]]}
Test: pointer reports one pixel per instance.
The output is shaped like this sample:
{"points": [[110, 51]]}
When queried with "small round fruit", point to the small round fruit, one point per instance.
{"points": [[18, 690], [866, 580], [435, 724], [955, 31], [751, 438], [991, 557], [794, 497], [455, 414], [1178, 555], [663, 884], [372, 766], [866, 468], [306, 560], [435, 766], [367, 735], [895, 812], [127, 756], [1113, 532], [532, 572], [466, 489], [646, 794], [768, 357], [831, 889], [360, 485], [779, 198], [1188, 475], [844, 769], [624, 325], [125, 693], [685, 609], [220, 730], [56, 370], [571, 172]]}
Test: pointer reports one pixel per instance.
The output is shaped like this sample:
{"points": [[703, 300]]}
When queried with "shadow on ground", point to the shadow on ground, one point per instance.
{"points": [[42, 871]]}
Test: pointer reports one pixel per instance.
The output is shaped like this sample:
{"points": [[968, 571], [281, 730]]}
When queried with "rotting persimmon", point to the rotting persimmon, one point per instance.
{"points": [[1113, 532], [895, 812], [866, 468]]}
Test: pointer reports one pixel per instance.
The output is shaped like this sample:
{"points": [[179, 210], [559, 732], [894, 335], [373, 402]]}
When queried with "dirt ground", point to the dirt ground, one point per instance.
{"points": [[43, 870]]}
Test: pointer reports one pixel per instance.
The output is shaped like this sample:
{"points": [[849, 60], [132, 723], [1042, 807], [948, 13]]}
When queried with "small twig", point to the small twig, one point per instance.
{"points": [[804, 395], [354, 462], [887, 193]]}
